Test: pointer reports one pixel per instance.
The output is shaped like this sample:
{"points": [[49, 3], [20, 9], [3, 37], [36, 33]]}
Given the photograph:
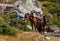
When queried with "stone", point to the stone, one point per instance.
{"points": [[47, 38], [52, 28], [29, 27]]}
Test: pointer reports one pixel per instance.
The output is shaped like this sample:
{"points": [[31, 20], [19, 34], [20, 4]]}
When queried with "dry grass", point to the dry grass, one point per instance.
{"points": [[21, 36], [27, 36]]}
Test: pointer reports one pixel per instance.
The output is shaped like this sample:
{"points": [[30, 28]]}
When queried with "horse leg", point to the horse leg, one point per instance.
{"points": [[32, 25], [35, 27], [39, 28], [43, 30]]}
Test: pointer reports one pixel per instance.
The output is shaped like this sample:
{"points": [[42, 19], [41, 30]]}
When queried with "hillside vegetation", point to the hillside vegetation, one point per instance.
{"points": [[15, 29], [52, 7]]}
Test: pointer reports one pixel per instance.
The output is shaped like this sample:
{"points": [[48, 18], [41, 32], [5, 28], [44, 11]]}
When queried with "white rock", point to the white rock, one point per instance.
{"points": [[29, 26], [47, 38], [28, 6]]}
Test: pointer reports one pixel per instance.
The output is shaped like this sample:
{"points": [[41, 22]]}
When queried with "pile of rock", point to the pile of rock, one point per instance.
{"points": [[52, 30]]}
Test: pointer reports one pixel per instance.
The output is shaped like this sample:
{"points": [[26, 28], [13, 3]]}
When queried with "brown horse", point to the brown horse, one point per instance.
{"points": [[36, 22], [29, 17], [41, 25]]}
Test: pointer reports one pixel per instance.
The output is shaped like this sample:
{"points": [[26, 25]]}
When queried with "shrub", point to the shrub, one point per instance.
{"points": [[52, 7], [6, 26], [24, 28], [11, 31], [6, 29], [57, 1], [53, 21], [20, 24]]}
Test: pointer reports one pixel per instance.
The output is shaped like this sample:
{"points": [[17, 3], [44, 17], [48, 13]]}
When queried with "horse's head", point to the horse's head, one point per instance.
{"points": [[31, 16], [27, 16]]}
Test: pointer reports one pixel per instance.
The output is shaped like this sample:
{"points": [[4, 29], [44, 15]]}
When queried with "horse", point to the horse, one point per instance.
{"points": [[29, 17], [41, 25], [36, 22]]}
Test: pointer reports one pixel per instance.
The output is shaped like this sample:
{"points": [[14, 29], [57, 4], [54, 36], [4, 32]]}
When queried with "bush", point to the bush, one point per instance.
{"points": [[6, 25], [52, 7], [6, 29], [11, 31], [57, 1], [20, 24], [24, 28], [53, 21]]}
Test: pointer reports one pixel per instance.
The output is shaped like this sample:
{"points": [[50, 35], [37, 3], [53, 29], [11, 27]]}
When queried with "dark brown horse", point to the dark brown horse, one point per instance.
{"points": [[36, 22], [29, 17], [41, 25]]}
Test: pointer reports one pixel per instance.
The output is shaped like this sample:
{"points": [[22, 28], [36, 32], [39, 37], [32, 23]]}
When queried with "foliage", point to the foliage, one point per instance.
{"points": [[11, 20], [6, 29], [18, 22], [13, 1], [53, 21], [24, 27], [21, 24], [52, 7], [9, 15], [57, 1]]}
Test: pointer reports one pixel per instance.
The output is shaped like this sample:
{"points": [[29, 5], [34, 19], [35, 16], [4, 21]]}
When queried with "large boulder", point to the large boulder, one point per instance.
{"points": [[52, 28]]}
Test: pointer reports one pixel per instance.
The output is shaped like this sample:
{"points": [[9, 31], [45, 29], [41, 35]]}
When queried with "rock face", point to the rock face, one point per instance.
{"points": [[26, 6]]}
